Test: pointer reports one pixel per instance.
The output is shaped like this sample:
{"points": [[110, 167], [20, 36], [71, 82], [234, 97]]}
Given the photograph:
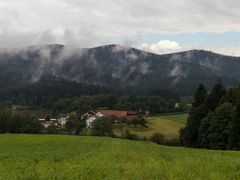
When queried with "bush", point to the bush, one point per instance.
{"points": [[23, 124], [75, 124], [12, 123], [127, 135], [102, 127], [158, 138], [141, 121], [52, 129]]}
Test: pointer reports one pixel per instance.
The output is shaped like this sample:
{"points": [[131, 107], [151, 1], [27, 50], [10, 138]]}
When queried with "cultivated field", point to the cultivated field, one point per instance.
{"points": [[74, 157], [169, 125]]}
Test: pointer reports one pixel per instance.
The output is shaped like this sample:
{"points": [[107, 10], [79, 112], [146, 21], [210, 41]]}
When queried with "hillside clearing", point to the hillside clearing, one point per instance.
{"points": [[74, 157]]}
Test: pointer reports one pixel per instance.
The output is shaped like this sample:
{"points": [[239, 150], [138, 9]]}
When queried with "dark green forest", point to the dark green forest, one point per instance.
{"points": [[63, 96], [151, 104], [214, 120]]}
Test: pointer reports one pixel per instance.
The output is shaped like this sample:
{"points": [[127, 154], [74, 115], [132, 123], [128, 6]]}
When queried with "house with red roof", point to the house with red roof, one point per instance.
{"points": [[91, 116]]}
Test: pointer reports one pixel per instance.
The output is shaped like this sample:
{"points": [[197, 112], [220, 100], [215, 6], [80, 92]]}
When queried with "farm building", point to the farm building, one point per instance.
{"points": [[48, 121], [60, 121], [91, 116]]}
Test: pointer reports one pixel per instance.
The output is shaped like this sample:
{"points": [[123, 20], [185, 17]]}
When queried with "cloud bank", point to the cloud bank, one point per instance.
{"points": [[88, 23]]}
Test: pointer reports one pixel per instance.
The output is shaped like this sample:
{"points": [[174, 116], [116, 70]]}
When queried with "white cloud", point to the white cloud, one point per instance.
{"points": [[227, 51], [162, 47], [167, 46]]}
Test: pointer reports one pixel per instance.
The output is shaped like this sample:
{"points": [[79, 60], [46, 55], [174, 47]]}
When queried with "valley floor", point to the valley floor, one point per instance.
{"points": [[74, 157]]}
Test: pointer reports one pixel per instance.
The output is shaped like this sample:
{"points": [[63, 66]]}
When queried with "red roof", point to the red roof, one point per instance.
{"points": [[132, 113], [114, 113]]}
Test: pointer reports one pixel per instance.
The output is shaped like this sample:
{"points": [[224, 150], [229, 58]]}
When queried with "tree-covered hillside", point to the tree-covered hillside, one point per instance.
{"points": [[59, 70]]}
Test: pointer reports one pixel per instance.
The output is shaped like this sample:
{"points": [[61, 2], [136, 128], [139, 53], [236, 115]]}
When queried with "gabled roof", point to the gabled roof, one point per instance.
{"points": [[88, 114], [114, 113], [96, 117]]}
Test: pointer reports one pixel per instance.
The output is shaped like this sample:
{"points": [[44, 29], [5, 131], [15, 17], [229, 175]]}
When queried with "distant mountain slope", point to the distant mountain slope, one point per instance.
{"points": [[116, 67]]}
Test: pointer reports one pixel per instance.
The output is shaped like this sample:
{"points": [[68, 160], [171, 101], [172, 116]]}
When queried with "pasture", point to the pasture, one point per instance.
{"points": [[169, 125], [75, 157]]}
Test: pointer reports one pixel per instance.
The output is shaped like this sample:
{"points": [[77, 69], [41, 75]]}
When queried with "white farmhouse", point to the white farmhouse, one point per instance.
{"points": [[90, 120], [91, 116]]}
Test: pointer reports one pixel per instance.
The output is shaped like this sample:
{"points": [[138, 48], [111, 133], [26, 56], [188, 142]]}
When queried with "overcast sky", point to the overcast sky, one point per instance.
{"points": [[160, 26]]}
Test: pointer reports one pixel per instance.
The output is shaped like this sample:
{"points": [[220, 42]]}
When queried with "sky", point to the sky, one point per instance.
{"points": [[159, 26]]}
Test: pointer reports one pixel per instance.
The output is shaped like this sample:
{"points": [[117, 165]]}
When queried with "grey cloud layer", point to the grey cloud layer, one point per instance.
{"points": [[87, 23]]}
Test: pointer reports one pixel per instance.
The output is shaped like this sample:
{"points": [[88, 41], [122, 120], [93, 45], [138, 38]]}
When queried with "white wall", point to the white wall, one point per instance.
{"points": [[90, 120]]}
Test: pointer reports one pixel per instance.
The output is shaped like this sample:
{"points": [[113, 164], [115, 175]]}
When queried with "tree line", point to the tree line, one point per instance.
{"points": [[49, 89], [10, 123], [151, 104], [214, 120]]}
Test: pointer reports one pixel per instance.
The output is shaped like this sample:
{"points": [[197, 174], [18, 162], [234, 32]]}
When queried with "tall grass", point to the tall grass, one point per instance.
{"points": [[73, 157]]}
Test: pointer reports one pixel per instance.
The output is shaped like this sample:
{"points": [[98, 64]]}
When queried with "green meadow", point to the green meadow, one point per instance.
{"points": [[75, 157], [178, 117], [169, 125]]}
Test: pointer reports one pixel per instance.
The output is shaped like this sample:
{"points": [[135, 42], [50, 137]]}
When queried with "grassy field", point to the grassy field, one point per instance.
{"points": [[74, 157], [181, 118], [168, 125]]}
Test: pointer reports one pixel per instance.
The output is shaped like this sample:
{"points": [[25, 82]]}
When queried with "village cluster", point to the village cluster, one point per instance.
{"points": [[90, 117]]}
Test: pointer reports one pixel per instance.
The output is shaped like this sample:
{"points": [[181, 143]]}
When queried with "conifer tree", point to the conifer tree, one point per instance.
{"points": [[189, 134], [234, 138], [216, 96], [200, 95]]}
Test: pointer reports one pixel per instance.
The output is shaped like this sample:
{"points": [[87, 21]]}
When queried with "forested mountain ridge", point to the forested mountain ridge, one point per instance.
{"points": [[112, 68]]}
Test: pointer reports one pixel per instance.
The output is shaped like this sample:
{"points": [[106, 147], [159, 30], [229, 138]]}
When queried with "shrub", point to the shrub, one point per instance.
{"points": [[140, 121], [75, 124], [102, 127], [23, 124], [158, 138], [52, 129], [127, 135]]}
